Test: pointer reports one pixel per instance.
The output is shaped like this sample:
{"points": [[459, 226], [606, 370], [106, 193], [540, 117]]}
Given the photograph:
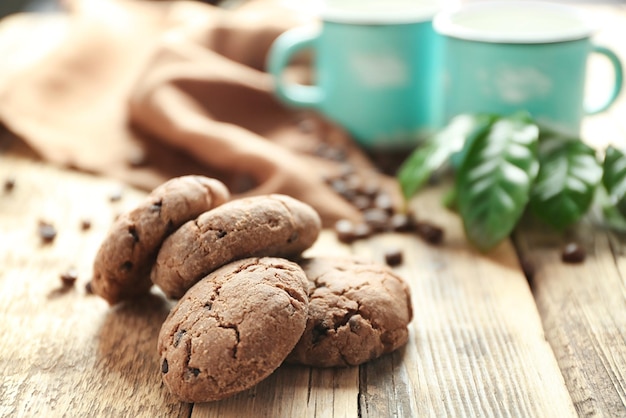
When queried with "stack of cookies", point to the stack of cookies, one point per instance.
{"points": [[248, 301]]}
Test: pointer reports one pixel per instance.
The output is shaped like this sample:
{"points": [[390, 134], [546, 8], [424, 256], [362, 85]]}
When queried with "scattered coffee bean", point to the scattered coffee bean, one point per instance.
{"points": [[137, 158], [9, 184], [400, 222], [573, 253], [47, 232], [362, 231], [362, 202], [383, 201], [429, 232], [345, 231], [116, 195], [394, 257], [85, 224], [307, 126], [69, 277], [377, 219]]}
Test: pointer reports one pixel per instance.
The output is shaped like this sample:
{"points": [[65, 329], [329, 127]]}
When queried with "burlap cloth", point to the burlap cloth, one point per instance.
{"points": [[144, 91]]}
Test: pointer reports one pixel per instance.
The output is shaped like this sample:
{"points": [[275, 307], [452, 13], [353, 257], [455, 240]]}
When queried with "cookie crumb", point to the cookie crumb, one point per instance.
{"points": [[394, 257], [69, 277], [47, 232], [573, 253]]}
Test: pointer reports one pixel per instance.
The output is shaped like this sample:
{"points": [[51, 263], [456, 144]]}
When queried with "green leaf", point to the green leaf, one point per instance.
{"points": [[614, 178], [494, 181], [566, 182], [436, 151]]}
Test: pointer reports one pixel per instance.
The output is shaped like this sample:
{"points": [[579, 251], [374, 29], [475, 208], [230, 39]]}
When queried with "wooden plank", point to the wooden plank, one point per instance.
{"points": [[63, 352], [477, 346], [582, 308]]}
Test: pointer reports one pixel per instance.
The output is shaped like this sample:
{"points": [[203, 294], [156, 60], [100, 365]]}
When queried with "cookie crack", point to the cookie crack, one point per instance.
{"points": [[235, 328]]}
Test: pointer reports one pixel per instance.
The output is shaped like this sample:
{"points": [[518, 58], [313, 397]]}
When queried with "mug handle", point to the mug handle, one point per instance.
{"points": [[279, 57], [619, 75]]}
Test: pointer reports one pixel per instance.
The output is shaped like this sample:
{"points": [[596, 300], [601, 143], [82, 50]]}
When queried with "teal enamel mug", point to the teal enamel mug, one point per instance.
{"points": [[373, 63], [505, 56]]}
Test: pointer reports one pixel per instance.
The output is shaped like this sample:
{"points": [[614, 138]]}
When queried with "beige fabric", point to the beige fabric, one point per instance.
{"points": [[144, 91]]}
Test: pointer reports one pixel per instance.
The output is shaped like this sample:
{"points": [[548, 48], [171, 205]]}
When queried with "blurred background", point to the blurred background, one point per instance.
{"points": [[12, 6]]}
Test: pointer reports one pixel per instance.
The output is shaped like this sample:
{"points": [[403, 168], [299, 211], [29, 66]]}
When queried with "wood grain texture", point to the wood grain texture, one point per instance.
{"points": [[477, 347], [64, 352]]}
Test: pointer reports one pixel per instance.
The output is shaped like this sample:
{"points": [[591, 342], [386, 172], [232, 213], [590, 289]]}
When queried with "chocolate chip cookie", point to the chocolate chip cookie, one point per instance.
{"points": [[272, 225], [233, 328], [358, 311], [123, 262]]}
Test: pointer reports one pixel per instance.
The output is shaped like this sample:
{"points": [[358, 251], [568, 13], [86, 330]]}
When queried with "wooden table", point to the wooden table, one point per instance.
{"points": [[485, 341]]}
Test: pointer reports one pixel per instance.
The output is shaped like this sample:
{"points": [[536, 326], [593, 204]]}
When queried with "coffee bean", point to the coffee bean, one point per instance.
{"points": [[361, 202], [137, 158], [377, 219], [9, 184], [362, 230], [85, 224], [47, 232], [345, 231], [116, 195], [429, 232], [400, 222], [394, 257], [69, 277], [383, 201], [573, 253]]}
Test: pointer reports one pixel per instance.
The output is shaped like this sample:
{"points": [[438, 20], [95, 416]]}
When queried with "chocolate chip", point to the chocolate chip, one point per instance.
{"points": [[132, 230], [354, 324], [195, 371], [156, 206], [69, 277], [293, 237], [178, 336], [89, 288], [429, 232], [9, 184], [165, 367], [85, 224], [221, 234], [127, 266], [573, 253], [47, 232]]}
